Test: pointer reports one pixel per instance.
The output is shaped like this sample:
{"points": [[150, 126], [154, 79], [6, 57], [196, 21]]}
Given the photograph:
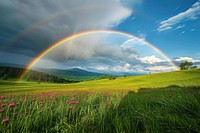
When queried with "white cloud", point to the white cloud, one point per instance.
{"points": [[102, 68], [151, 59], [142, 36], [86, 48], [189, 59], [190, 14], [179, 27], [131, 43], [160, 68]]}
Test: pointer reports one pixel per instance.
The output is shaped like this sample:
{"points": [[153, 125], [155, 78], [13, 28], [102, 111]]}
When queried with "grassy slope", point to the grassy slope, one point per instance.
{"points": [[180, 78]]}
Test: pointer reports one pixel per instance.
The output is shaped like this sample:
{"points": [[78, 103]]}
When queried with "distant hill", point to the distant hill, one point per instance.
{"points": [[69, 74], [8, 72], [74, 73], [12, 65]]}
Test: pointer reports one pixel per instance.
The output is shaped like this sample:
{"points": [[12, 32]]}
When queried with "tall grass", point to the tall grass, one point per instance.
{"points": [[149, 110]]}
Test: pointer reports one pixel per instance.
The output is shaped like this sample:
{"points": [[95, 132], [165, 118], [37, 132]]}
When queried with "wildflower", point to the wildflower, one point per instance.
{"points": [[3, 97], [3, 105], [5, 121], [1, 111], [67, 101], [16, 113], [41, 105], [170, 95], [33, 99], [26, 113], [108, 106], [73, 102], [107, 100], [11, 105], [77, 102], [70, 107]]}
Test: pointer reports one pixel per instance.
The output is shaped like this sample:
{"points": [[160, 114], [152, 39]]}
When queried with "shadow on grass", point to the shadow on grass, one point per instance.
{"points": [[169, 109]]}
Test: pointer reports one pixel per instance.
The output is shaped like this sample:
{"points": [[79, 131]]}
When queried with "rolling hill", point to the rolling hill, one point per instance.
{"points": [[130, 83], [68, 74], [73, 74]]}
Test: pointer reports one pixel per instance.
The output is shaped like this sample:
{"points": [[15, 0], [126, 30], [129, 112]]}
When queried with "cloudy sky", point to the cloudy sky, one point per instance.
{"points": [[29, 27]]}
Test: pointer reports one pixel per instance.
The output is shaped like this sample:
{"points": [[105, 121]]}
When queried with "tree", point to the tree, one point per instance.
{"points": [[5, 77], [193, 67], [102, 77], [187, 65], [111, 77]]}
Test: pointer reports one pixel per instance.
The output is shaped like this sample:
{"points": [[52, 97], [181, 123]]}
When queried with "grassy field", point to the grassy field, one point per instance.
{"points": [[151, 111], [154, 103], [124, 84]]}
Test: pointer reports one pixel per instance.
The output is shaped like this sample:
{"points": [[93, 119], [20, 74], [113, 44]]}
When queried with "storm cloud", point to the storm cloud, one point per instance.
{"points": [[29, 27]]}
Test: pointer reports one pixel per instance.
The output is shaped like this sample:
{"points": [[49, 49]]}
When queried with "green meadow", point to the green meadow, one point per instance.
{"points": [[124, 84], [153, 103]]}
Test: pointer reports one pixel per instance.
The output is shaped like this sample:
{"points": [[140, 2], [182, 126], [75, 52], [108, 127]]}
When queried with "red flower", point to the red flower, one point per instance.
{"points": [[77, 102], [1, 111], [3, 97], [108, 106], [16, 113], [11, 105], [5, 121], [3, 105], [34, 99], [73, 102], [70, 107]]}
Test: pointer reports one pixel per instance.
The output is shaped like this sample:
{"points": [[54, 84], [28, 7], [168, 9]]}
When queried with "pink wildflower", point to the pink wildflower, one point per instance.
{"points": [[108, 106], [3, 97], [70, 107], [73, 102], [77, 102], [107, 100], [11, 105], [1, 111], [5, 121], [3, 105], [33, 99], [16, 113]]}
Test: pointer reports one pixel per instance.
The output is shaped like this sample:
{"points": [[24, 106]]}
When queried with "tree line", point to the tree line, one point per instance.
{"points": [[32, 75]]}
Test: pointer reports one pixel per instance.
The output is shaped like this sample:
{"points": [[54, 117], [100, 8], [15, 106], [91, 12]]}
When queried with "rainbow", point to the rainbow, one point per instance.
{"points": [[80, 34], [45, 21]]}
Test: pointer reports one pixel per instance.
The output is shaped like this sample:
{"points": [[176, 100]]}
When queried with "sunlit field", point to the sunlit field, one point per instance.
{"points": [[120, 105], [161, 110], [120, 84]]}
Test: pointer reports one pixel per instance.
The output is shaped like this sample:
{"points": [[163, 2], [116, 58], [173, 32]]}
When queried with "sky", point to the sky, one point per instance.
{"points": [[160, 29]]}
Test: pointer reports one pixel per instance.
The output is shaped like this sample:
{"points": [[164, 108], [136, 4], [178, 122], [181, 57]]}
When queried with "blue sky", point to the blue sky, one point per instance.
{"points": [[30, 27], [183, 41]]}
